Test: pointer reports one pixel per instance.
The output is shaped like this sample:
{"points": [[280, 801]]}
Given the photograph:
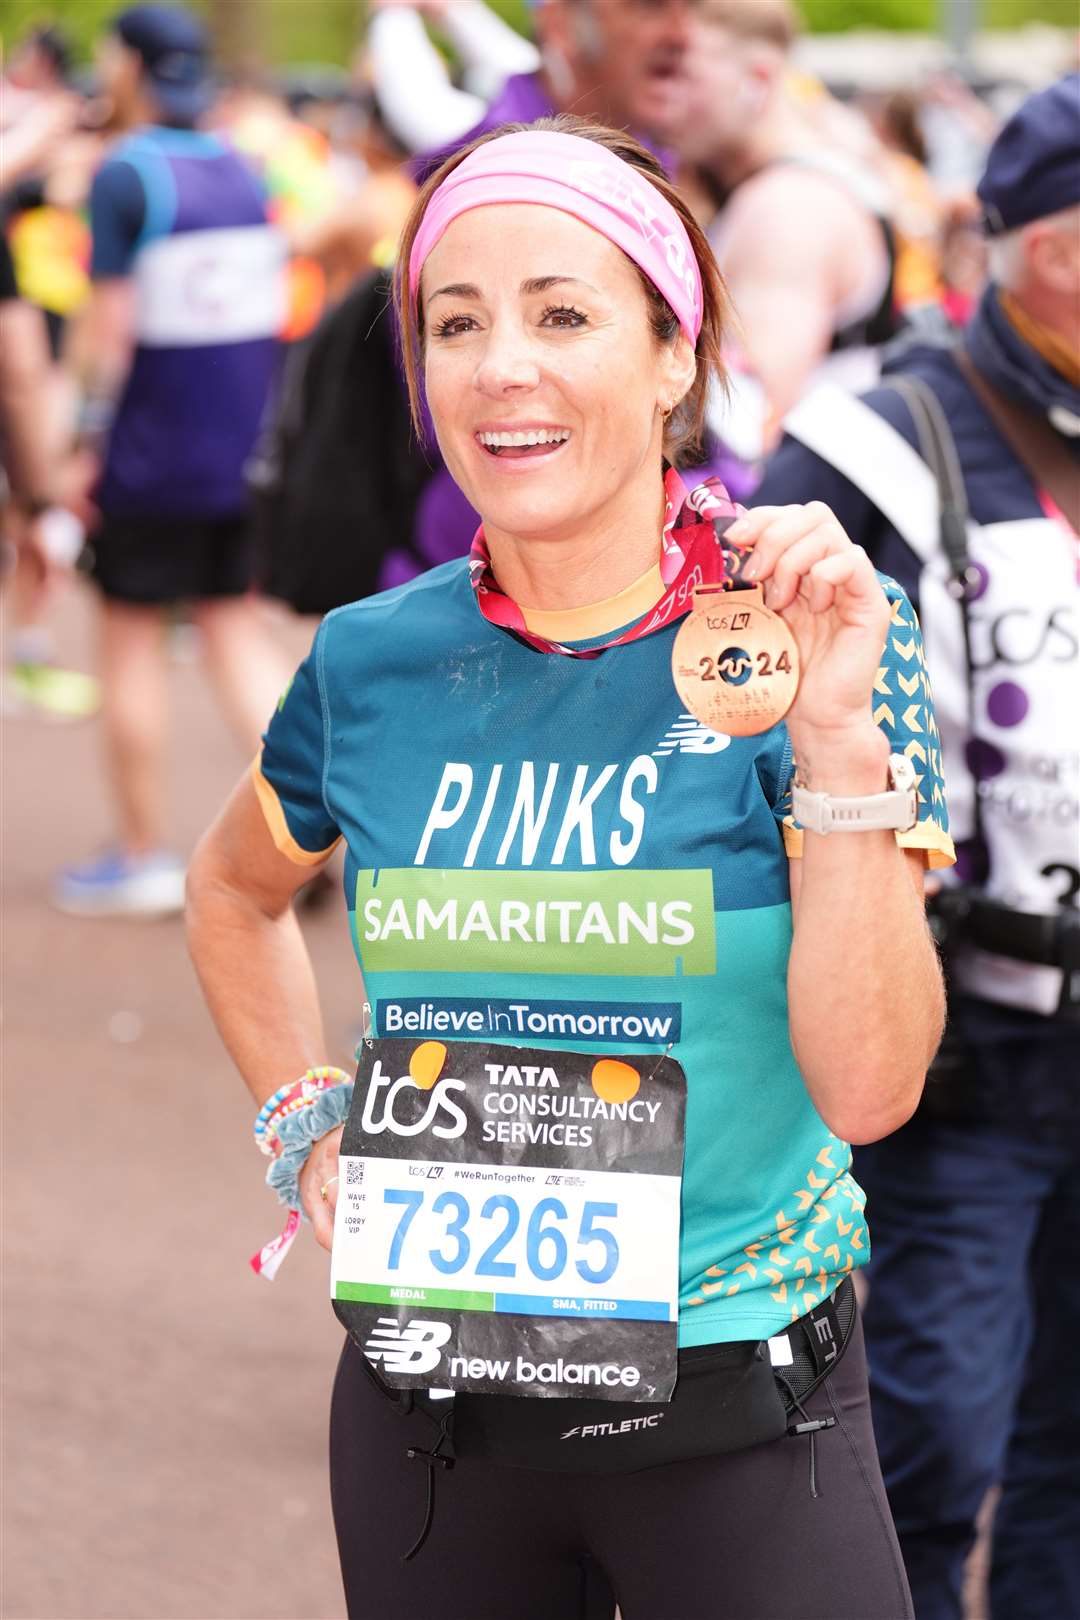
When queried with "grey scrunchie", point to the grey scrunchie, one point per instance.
{"points": [[297, 1132]]}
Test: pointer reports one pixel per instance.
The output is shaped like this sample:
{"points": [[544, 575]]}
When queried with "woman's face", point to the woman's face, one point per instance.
{"points": [[536, 325]]}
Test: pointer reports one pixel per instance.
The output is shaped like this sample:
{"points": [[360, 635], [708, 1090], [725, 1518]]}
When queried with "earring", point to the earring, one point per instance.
{"points": [[666, 410]]}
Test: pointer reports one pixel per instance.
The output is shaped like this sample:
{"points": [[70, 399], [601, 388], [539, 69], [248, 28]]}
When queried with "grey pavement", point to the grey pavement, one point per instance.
{"points": [[164, 1442]]}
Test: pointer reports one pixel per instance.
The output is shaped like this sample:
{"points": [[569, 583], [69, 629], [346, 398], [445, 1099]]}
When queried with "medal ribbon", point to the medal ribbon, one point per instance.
{"points": [[691, 555]]}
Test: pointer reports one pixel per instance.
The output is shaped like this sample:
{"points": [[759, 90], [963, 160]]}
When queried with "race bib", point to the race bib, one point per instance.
{"points": [[508, 1219]]}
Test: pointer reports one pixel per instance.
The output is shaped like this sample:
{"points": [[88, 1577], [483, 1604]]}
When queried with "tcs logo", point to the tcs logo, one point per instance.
{"points": [[392, 1104]]}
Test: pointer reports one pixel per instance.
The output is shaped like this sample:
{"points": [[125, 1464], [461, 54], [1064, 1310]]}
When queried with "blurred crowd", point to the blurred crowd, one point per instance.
{"points": [[200, 388], [280, 426]]}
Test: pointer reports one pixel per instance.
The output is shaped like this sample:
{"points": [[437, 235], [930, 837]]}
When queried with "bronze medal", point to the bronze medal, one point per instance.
{"points": [[734, 662]]}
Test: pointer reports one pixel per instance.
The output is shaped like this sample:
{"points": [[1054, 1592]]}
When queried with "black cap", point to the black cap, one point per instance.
{"points": [[1033, 168], [175, 54]]}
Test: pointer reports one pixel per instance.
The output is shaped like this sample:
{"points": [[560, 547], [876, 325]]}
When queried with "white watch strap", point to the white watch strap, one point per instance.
{"points": [[895, 810]]}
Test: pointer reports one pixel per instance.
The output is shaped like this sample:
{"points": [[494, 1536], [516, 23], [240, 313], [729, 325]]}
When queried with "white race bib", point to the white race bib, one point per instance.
{"points": [[508, 1219]]}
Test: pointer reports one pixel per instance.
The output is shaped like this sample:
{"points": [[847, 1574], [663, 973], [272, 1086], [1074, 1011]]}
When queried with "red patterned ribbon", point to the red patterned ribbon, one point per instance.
{"points": [[691, 555]]}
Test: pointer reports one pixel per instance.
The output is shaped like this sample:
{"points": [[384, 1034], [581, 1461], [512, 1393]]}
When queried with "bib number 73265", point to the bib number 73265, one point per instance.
{"points": [[492, 1236]]}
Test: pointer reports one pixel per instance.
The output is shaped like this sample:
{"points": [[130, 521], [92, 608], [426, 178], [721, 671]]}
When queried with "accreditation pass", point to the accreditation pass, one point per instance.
{"points": [[508, 1219]]}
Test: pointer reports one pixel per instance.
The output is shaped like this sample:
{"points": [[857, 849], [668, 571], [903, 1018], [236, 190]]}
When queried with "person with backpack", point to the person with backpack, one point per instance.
{"points": [[960, 475]]}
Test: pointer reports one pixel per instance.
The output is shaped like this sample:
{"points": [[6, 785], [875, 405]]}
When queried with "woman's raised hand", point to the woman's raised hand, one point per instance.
{"points": [[828, 594], [321, 1170]]}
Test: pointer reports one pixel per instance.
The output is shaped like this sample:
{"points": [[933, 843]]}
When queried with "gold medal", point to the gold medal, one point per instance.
{"points": [[734, 662]]}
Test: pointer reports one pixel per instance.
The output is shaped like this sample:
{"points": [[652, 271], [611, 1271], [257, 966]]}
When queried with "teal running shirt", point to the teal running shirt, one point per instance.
{"points": [[544, 850]]}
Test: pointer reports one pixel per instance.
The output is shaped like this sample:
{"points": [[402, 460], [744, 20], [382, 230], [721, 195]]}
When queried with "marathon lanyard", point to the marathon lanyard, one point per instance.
{"points": [[690, 556]]}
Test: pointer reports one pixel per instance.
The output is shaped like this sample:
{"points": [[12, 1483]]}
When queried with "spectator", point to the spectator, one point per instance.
{"points": [[919, 208], [975, 1296], [802, 231], [616, 61], [36, 78], [359, 231], [294, 162], [180, 350], [41, 535]]}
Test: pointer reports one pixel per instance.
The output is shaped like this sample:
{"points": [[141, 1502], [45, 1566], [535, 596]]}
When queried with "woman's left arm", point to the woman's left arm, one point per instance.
{"points": [[865, 997]]}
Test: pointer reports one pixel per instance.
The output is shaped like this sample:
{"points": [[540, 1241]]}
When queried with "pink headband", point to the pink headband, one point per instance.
{"points": [[582, 178]]}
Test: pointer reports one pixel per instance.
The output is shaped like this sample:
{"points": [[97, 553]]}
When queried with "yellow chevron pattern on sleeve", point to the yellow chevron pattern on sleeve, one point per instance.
{"points": [[911, 729]]}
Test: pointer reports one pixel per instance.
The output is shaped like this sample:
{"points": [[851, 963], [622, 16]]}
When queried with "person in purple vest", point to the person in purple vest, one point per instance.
{"points": [[180, 352], [619, 62]]}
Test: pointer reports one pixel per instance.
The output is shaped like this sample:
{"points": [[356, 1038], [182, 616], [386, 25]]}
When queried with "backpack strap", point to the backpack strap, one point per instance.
{"points": [[848, 434], [938, 449]]}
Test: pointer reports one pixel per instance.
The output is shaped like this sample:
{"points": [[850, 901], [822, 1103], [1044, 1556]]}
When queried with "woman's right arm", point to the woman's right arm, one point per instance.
{"points": [[248, 950]]}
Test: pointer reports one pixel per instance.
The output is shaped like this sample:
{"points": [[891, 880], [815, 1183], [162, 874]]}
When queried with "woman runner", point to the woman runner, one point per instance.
{"points": [[538, 837]]}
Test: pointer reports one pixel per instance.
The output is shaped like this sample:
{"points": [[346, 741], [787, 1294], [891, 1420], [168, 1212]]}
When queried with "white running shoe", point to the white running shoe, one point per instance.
{"points": [[118, 885]]}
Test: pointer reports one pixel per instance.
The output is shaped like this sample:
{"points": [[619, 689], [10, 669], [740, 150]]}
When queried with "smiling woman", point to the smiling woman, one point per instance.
{"points": [[541, 847], [585, 189], [553, 393]]}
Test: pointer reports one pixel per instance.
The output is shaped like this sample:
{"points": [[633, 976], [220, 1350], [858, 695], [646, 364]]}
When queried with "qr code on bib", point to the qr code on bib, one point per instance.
{"points": [[354, 1173]]}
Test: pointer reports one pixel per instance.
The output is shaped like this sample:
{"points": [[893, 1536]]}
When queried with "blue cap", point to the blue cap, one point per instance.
{"points": [[1033, 168], [175, 54]]}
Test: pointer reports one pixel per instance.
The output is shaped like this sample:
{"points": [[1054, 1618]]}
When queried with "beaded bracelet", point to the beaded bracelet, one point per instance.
{"points": [[299, 1132], [288, 1099]]}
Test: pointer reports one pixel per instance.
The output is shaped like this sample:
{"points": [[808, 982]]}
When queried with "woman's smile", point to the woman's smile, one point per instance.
{"points": [[523, 442]]}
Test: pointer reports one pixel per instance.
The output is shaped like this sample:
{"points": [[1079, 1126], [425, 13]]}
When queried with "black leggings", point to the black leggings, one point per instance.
{"points": [[738, 1537]]}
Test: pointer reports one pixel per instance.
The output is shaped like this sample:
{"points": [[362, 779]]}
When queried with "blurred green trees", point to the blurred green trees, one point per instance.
{"points": [[326, 31]]}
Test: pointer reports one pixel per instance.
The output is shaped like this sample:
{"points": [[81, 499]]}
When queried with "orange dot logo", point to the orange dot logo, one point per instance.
{"points": [[614, 1081], [426, 1064]]}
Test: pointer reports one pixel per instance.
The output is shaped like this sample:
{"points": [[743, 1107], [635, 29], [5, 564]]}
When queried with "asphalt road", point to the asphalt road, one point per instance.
{"points": [[165, 1430]]}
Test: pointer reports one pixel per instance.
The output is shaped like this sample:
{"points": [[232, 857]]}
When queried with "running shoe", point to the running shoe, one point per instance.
{"points": [[63, 694], [118, 885]]}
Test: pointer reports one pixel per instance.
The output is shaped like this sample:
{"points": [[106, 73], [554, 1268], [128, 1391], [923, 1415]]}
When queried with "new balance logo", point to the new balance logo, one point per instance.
{"points": [[689, 736], [415, 1347]]}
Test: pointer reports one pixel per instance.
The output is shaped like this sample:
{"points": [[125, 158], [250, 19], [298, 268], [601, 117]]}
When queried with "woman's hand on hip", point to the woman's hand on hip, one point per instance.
{"points": [[319, 1173], [825, 589]]}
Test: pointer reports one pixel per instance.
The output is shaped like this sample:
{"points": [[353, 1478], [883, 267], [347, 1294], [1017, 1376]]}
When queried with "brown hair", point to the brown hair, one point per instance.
{"points": [[684, 428]]}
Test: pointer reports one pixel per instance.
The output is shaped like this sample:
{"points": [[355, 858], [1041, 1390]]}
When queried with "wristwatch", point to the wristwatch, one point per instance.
{"points": [[896, 810]]}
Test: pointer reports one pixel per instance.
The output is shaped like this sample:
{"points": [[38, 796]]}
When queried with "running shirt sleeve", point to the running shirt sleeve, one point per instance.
{"points": [[288, 774], [904, 710], [117, 216]]}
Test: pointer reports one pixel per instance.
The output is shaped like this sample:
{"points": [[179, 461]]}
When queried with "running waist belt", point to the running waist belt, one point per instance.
{"points": [[728, 1397]]}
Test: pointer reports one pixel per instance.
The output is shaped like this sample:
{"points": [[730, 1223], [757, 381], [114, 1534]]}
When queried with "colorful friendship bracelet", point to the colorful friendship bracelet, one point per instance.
{"points": [[302, 1096], [299, 1131], [288, 1099]]}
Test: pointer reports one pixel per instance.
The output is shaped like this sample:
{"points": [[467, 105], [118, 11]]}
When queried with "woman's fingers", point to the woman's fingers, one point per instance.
{"points": [[791, 547], [746, 528], [319, 1185], [851, 573], [773, 530], [793, 564]]}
